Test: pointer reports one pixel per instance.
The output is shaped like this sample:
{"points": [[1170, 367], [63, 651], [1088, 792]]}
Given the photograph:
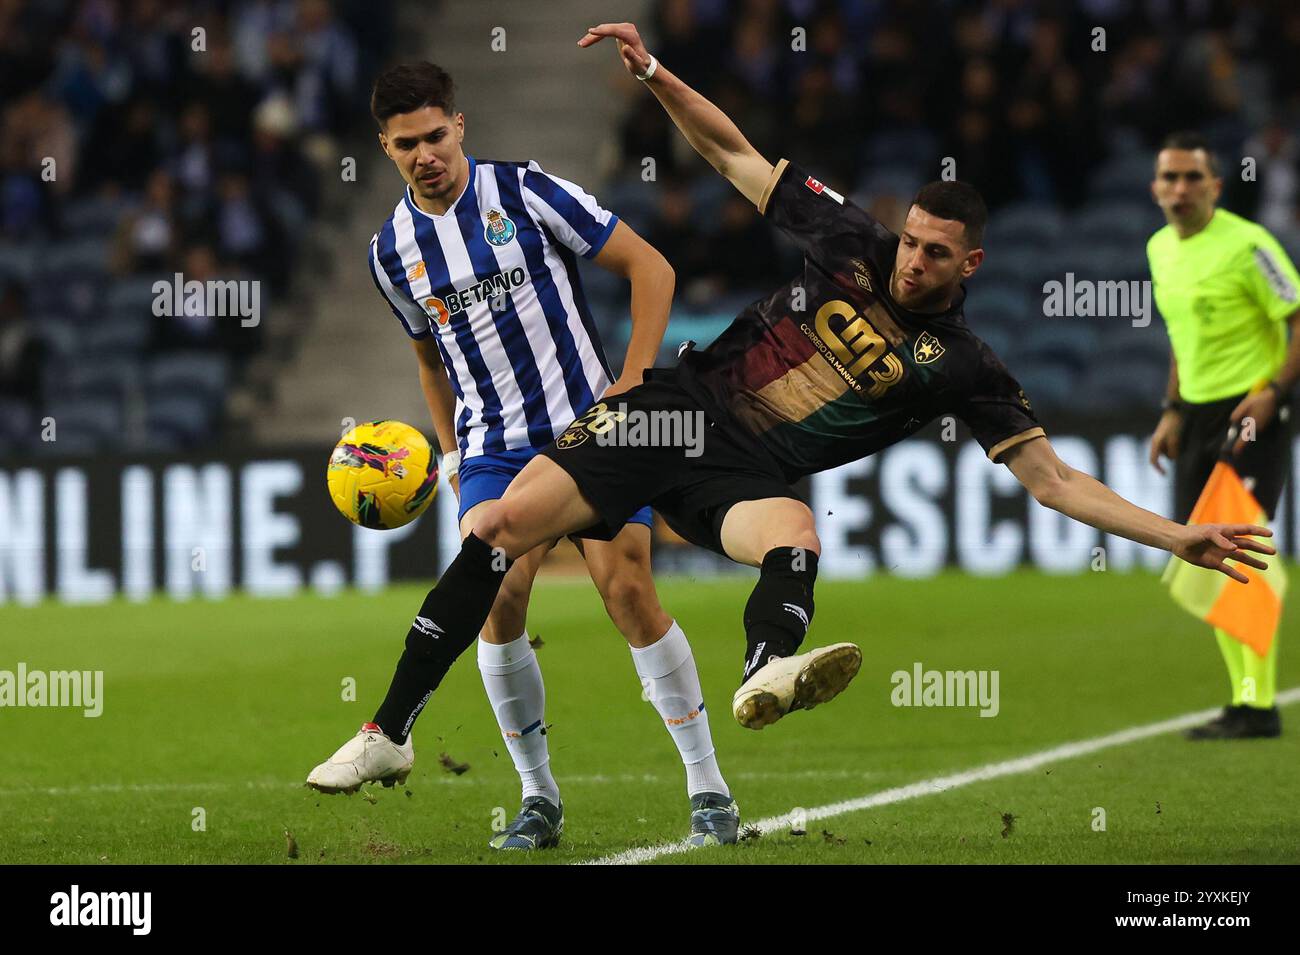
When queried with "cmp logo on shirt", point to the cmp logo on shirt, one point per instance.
{"points": [[499, 230]]}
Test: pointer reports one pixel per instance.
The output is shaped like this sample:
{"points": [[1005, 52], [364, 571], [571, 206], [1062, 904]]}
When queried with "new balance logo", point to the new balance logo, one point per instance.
{"points": [[798, 612], [427, 627]]}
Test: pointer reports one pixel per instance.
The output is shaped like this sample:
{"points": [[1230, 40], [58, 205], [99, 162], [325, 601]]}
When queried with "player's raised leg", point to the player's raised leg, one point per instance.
{"points": [[541, 504], [778, 536], [666, 666]]}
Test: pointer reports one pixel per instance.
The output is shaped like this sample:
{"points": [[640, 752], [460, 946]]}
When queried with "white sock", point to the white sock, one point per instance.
{"points": [[513, 681], [667, 671]]}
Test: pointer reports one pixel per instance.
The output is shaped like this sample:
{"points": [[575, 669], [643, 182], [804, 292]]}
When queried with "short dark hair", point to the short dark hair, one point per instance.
{"points": [[1186, 139], [958, 201], [410, 86]]}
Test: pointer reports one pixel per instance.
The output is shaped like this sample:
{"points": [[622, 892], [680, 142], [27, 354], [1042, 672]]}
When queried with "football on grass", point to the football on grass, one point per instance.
{"points": [[382, 474]]}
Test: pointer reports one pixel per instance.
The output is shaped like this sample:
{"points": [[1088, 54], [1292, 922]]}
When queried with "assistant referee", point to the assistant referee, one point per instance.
{"points": [[1227, 292]]}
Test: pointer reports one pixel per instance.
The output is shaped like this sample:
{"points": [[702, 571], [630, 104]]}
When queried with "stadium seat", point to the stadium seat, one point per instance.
{"points": [[60, 335], [1116, 220], [1009, 265], [1014, 263], [1049, 265], [118, 335], [1065, 341], [17, 423], [1121, 342], [96, 215], [185, 417], [80, 295], [708, 195], [998, 337], [86, 256], [636, 201], [113, 377], [18, 262], [71, 440], [198, 373], [896, 180], [1047, 384], [1091, 260], [98, 416], [1126, 177], [1289, 239], [1136, 385], [158, 442], [901, 147], [1025, 223], [1001, 304], [133, 294]]}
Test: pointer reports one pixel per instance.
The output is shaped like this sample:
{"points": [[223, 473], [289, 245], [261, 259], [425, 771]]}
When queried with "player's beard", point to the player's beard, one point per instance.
{"points": [[928, 301], [915, 300]]}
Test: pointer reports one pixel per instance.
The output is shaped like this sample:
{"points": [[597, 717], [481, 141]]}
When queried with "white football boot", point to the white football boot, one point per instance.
{"points": [[795, 683], [368, 757]]}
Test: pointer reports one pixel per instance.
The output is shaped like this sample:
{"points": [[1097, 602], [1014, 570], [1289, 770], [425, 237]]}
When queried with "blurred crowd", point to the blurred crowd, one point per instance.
{"points": [[1053, 104], [141, 138]]}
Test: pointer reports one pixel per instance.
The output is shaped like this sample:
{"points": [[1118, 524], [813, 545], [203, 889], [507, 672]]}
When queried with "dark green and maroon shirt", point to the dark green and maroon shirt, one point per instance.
{"points": [[829, 368]]}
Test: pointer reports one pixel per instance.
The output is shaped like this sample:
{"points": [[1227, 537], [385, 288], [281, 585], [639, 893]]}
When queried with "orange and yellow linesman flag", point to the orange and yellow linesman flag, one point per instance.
{"points": [[1248, 612]]}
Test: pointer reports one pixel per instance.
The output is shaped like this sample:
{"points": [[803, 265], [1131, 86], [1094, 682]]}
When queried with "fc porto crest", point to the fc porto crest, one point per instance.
{"points": [[500, 230], [927, 349]]}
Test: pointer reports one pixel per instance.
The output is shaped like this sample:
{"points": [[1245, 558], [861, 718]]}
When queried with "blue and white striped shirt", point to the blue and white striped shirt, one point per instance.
{"points": [[496, 278]]}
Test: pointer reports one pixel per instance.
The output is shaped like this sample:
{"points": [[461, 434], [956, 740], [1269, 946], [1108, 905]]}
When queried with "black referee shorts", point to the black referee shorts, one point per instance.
{"points": [[691, 483], [1265, 461]]}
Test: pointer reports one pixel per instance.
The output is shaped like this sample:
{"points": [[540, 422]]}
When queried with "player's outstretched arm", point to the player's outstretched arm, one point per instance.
{"points": [[708, 129], [1055, 484], [437, 395], [628, 255]]}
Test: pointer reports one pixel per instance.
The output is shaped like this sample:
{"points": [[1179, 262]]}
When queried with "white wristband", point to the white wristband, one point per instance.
{"points": [[450, 464], [650, 70]]}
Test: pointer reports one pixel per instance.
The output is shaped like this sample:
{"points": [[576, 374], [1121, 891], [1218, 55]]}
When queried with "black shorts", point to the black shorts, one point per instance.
{"points": [[1264, 462], [691, 473]]}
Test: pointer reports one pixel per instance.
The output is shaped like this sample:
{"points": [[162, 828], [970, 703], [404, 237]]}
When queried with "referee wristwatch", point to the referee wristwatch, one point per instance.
{"points": [[1171, 404]]}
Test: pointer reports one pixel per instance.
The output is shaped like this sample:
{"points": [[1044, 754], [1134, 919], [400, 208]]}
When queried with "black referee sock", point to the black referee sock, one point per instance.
{"points": [[450, 620], [780, 608]]}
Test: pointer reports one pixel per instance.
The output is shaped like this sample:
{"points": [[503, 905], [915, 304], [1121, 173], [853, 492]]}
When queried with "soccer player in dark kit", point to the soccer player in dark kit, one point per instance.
{"points": [[863, 348]]}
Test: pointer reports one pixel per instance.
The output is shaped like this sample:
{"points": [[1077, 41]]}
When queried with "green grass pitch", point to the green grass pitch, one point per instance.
{"points": [[224, 707]]}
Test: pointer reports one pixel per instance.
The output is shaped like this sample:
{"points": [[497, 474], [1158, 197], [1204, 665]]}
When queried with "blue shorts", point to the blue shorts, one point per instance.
{"points": [[485, 477]]}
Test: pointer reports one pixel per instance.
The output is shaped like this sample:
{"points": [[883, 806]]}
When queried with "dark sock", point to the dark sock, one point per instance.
{"points": [[450, 619], [780, 608]]}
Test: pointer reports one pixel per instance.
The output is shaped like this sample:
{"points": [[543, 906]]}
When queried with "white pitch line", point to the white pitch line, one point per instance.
{"points": [[597, 779], [939, 784]]}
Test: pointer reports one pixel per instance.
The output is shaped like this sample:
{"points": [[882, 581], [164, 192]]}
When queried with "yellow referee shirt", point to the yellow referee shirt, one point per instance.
{"points": [[1225, 294]]}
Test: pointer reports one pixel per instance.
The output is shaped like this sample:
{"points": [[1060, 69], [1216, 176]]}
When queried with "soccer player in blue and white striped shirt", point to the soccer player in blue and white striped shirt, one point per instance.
{"points": [[479, 264]]}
